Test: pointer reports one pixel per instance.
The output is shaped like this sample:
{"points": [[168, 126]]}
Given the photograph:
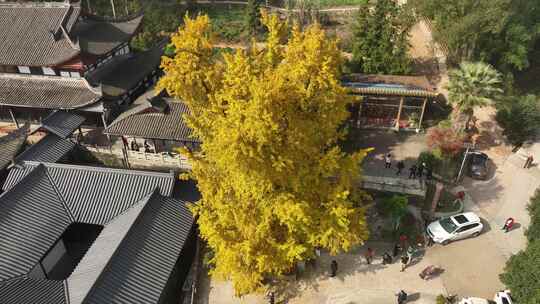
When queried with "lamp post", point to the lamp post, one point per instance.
{"points": [[468, 146]]}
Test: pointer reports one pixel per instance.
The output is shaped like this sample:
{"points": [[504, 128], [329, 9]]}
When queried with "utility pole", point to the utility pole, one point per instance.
{"points": [[469, 146]]}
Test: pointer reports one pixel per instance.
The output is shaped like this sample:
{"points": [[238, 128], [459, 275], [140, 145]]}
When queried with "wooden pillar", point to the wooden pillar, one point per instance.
{"points": [[13, 118], [422, 114], [399, 112], [438, 189]]}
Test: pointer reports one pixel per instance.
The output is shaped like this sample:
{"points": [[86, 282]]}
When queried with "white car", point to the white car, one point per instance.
{"points": [[503, 297], [455, 227], [475, 301]]}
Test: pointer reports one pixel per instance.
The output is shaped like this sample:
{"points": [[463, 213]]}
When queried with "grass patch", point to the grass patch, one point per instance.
{"points": [[333, 3], [227, 21]]}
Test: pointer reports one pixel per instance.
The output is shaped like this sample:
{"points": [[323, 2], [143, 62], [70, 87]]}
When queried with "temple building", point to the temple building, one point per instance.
{"points": [[53, 56]]}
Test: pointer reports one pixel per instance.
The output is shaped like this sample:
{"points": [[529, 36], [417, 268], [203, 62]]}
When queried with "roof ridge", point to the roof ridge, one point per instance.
{"points": [[99, 169], [36, 4], [60, 196], [23, 76]]}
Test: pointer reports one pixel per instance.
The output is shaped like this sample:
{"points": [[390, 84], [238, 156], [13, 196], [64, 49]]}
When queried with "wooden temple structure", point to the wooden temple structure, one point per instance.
{"points": [[388, 101], [54, 56]]}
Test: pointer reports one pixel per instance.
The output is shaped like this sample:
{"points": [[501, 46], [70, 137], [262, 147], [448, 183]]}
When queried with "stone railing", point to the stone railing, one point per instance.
{"points": [[393, 184], [165, 159]]}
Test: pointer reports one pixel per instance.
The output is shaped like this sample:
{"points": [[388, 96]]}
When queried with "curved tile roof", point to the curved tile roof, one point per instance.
{"points": [[27, 290], [47, 92], [11, 144], [35, 34]]}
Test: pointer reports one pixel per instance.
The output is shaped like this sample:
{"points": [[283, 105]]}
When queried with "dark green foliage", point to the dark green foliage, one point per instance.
{"points": [[520, 117], [521, 274], [502, 32], [252, 17], [395, 207], [533, 232], [159, 20], [380, 39]]}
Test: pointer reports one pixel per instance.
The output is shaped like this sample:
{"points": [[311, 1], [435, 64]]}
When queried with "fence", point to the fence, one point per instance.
{"points": [[165, 159]]}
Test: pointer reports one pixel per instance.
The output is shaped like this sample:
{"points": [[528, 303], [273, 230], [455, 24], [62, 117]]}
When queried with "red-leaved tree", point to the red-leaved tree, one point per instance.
{"points": [[446, 140]]}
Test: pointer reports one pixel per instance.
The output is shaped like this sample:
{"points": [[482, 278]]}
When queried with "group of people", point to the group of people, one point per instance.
{"points": [[415, 171]]}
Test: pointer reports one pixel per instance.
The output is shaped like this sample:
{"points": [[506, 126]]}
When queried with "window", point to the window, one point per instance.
{"points": [[462, 229], [48, 71], [64, 74], [23, 69], [75, 74]]}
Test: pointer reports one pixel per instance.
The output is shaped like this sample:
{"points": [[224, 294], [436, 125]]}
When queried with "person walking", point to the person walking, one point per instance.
{"points": [[333, 268], [528, 162], [388, 161], [401, 297], [400, 167], [369, 255], [412, 172], [420, 170], [404, 262]]}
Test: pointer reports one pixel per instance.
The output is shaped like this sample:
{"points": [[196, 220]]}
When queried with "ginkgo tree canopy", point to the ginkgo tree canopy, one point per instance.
{"points": [[274, 182]]}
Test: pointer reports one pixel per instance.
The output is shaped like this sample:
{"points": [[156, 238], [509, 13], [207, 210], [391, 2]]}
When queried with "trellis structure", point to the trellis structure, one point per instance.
{"points": [[390, 101]]}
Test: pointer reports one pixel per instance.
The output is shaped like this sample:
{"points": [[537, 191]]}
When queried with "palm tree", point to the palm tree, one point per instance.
{"points": [[471, 86]]}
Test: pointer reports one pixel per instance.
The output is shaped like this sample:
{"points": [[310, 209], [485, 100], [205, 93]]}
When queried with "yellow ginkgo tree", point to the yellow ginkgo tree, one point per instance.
{"points": [[275, 184]]}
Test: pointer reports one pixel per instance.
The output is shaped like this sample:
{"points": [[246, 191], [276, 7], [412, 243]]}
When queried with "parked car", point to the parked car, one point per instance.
{"points": [[503, 297], [478, 165], [473, 300], [455, 227]]}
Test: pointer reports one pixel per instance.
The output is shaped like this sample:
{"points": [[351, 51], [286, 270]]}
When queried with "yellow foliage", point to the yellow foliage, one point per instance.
{"points": [[274, 182]]}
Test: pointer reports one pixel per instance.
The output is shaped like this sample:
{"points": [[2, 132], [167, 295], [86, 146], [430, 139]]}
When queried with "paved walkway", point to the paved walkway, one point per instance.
{"points": [[356, 282]]}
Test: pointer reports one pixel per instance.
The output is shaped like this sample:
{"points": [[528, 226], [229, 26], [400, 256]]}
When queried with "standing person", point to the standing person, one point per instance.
{"points": [[508, 224], [271, 297], [420, 170], [386, 258], [412, 172], [410, 253], [429, 174], [333, 268], [400, 166], [401, 297], [396, 250], [388, 161], [369, 255], [404, 262], [403, 241]]}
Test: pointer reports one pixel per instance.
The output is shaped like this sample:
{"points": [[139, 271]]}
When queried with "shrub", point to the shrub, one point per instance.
{"points": [[533, 231]]}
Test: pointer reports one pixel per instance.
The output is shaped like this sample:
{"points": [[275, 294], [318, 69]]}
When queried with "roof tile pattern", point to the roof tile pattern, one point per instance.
{"points": [[106, 192], [142, 121], [27, 230], [99, 37], [50, 148], [26, 290], [62, 123], [27, 37], [11, 144], [47, 92], [139, 269]]}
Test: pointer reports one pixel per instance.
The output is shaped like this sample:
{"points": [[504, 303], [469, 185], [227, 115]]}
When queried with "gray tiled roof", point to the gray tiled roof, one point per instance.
{"points": [[27, 37], [98, 37], [143, 121], [32, 218], [50, 148], [62, 123], [11, 144], [31, 291], [48, 92], [130, 261], [124, 72], [139, 269], [106, 192]]}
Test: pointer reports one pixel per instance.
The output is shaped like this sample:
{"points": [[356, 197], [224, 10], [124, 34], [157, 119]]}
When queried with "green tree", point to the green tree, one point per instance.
{"points": [[533, 231], [520, 117], [380, 41], [502, 32], [274, 182], [471, 86], [396, 207], [521, 274], [252, 17]]}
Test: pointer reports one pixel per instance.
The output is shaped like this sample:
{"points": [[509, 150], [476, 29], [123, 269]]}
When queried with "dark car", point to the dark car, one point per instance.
{"points": [[478, 165]]}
